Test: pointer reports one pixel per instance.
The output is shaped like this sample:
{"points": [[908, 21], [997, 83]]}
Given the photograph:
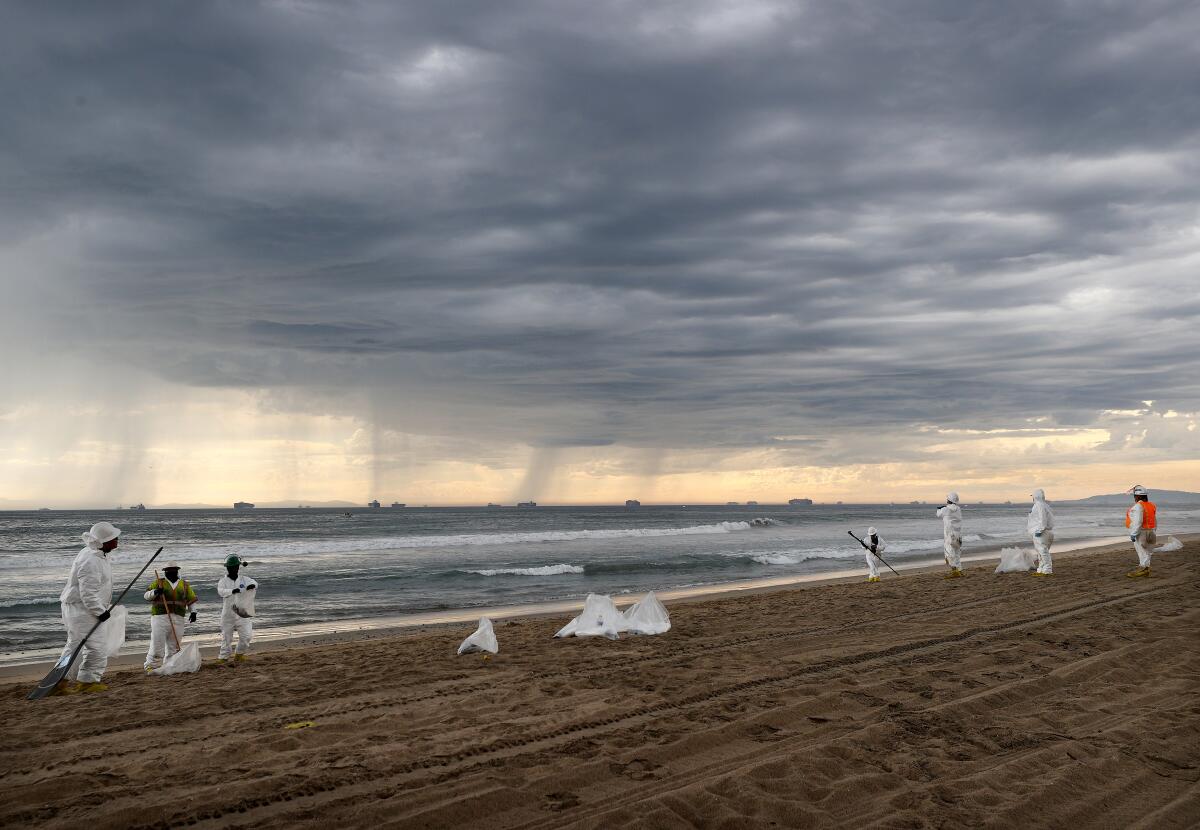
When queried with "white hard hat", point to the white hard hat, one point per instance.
{"points": [[1138, 490], [100, 533], [872, 531], [1039, 494], [171, 564], [952, 497]]}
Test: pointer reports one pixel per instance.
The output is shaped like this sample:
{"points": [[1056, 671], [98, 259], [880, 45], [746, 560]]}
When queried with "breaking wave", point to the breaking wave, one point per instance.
{"points": [[544, 570]]}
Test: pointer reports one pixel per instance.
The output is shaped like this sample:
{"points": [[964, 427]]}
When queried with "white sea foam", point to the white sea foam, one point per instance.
{"points": [[254, 550], [544, 570]]}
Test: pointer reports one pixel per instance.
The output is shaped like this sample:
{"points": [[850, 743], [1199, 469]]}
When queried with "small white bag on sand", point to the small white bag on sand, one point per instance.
{"points": [[647, 616], [1016, 561], [599, 618], [484, 639], [1172, 544], [110, 636], [187, 659]]}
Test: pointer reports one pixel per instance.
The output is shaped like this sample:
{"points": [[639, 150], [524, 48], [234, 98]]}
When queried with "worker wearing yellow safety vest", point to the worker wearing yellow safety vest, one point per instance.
{"points": [[1142, 521], [172, 604]]}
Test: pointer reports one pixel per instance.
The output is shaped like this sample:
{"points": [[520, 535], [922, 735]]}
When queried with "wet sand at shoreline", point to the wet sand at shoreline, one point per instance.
{"points": [[990, 701]]}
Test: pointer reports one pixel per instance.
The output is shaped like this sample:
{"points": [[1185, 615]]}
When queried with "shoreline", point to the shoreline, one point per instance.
{"points": [[32, 665]]}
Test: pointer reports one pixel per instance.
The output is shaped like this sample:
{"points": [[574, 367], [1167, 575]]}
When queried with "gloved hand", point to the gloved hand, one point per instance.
{"points": [[237, 590], [1133, 537], [251, 587], [104, 616], [192, 617], [1038, 534], [157, 593]]}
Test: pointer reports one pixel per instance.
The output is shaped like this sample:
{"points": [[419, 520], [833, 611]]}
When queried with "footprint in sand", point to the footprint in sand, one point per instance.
{"points": [[561, 801], [639, 769]]}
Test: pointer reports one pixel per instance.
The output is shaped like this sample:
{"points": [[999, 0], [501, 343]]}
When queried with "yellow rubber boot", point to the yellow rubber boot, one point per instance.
{"points": [[90, 688], [64, 687], [1138, 573], [239, 658]]}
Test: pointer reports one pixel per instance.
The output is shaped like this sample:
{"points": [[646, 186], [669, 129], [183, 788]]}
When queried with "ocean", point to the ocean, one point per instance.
{"points": [[319, 565]]}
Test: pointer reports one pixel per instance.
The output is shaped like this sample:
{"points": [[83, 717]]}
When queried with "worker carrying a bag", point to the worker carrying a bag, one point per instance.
{"points": [[172, 605], [237, 610], [1141, 519]]}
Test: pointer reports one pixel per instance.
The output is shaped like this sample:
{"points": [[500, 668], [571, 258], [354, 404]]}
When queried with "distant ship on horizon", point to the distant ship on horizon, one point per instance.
{"points": [[399, 504], [373, 503], [632, 503], [800, 502], [527, 504], [138, 506], [242, 505]]}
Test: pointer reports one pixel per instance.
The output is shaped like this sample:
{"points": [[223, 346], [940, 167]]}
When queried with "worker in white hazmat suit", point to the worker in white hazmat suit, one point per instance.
{"points": [[85, 602], [172, 604], [1041, 527], [874, 544], [1141, 520], [230, 586], [951, 515]]}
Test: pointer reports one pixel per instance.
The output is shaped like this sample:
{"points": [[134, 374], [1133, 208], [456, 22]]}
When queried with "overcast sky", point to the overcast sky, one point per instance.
{"points": [[458, 252]]}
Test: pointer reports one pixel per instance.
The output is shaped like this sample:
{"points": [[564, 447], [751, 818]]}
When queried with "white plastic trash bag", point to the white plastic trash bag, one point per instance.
{"points": [[599, 618], [1016, 561], [187, 659], [647, 616], [484, 639], [1172, 544], [243, 603], [110, 636]]}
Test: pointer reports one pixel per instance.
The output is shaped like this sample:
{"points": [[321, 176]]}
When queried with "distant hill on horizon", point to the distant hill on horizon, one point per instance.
{"points": [[1157, 496]]}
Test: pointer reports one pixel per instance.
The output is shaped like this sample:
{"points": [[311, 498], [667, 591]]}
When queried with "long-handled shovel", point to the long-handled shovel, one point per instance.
{"points": [[64, 663], [167, 611], [876, 555]]}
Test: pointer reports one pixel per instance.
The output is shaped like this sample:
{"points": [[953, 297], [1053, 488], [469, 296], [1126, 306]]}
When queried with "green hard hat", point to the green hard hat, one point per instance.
{"points": [[233, 561]]}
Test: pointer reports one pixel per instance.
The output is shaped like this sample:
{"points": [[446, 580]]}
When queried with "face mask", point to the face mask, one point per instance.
{"points": [[172, 575], [233, 572]]}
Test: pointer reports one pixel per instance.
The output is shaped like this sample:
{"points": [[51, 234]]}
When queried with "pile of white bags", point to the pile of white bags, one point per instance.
{"points": [[1016, 561], [1172, 544], [110, 636], [187, 659], [647, 616], [600, 618], [484, 639]]}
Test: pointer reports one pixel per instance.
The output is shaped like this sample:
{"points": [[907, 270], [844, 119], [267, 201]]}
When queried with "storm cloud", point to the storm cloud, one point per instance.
{"points": [[831, 231]]}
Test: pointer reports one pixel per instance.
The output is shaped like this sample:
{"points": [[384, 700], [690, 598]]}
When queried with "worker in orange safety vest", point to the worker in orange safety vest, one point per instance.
{"points": [[1141, 519]]}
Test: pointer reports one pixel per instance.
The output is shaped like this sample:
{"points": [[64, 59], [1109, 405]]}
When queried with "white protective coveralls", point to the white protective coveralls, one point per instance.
{"points": [[951, 516], [162, 642], [230, 622], [1140, 535], [87, 595], [1041, 527], [873, 538]]}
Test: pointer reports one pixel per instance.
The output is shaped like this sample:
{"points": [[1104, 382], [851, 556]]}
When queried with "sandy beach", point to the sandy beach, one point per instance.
{"points": [[991, 701]]}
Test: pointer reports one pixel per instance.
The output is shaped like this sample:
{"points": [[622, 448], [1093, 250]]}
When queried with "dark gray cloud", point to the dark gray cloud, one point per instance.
{"points": [[675, 225]]}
